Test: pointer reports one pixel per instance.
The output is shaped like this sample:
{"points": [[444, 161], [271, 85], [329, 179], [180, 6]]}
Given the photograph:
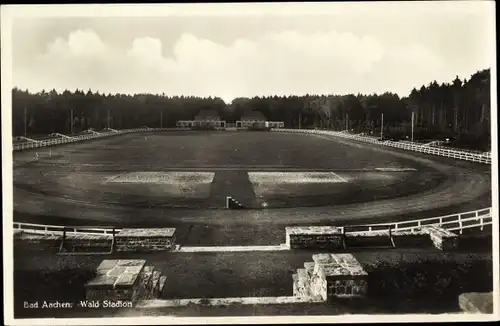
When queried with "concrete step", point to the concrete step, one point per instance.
{"points": [[144, 285], [309, 267], [163, 281], [155, 291], [303, 278]]}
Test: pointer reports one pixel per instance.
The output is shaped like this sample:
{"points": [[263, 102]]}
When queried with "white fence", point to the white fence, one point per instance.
{"points": [[452, 153], [454, 222], [65, 139], [59, 230]]}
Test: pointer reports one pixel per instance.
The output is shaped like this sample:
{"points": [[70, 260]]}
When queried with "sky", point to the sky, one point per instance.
{"points": [[248, 50]]}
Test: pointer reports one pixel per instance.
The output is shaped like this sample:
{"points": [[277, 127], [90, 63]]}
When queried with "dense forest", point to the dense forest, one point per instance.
{"points": [[460, 108]]}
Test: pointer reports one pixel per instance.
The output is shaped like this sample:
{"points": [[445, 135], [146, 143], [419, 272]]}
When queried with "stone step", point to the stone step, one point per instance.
{"points": [[309, 266], [163, 281], [301, 283], [144, 286], [303, 278], [155, 291]]}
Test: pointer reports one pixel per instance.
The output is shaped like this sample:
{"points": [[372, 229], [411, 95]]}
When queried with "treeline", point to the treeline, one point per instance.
{"points": [[459, 107]]}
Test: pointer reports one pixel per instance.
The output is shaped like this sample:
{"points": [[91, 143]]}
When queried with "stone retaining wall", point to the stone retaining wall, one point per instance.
{"points": [[145, 240], [130, 240], [36, 242], [314, 237], [339, 239]]}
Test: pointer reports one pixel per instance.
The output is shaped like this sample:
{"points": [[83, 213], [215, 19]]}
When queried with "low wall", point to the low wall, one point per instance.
{"points": [[36, 242], [314, 237], [137, 240], [338, 238], [126, 240]]}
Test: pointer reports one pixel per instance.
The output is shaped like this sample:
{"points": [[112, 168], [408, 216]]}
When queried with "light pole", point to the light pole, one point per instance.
{"points": [[108, 120], [412, 124], [382, 128]]}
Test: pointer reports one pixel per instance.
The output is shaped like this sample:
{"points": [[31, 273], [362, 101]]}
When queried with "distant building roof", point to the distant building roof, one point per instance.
{"points": [[207, 115], [253, 115]]}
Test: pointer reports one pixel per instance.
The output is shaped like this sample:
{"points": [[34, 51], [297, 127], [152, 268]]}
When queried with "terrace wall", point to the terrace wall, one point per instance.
{"points": [[137, 240]]}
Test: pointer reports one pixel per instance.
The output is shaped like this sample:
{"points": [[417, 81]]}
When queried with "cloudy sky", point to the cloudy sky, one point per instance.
{"points": [[247, 51]]}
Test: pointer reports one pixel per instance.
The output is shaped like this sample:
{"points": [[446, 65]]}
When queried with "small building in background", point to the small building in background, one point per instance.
{"points": [[206, 119], [256, 120]]}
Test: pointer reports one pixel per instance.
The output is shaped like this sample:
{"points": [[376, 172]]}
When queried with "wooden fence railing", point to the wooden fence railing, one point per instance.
{"points": [[59, 230], [65, 139], [453, 222], [440, 151]]}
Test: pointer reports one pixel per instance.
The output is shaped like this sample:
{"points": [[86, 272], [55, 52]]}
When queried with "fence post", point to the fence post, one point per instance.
{"points": [[344, 245], [113, 244]]}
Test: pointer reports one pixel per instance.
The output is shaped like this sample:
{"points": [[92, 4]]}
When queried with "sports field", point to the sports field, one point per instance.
{"points": [[181, 179]]}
